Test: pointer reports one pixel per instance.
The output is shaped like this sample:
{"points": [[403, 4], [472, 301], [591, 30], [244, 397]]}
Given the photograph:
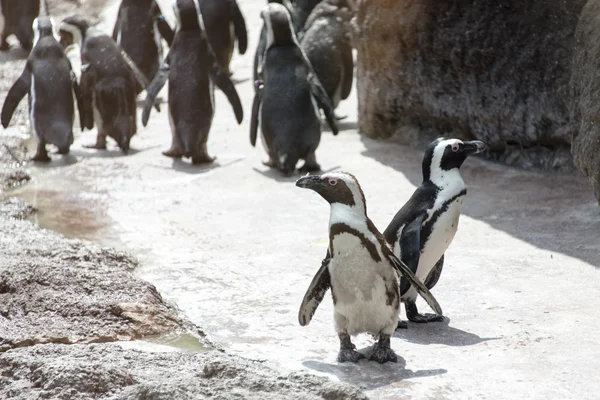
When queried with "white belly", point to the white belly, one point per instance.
{"points": [[360, 286]]}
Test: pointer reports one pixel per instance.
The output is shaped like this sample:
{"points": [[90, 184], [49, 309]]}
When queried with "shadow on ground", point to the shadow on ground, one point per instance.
{"points": [[556, 212], [439, 333]]}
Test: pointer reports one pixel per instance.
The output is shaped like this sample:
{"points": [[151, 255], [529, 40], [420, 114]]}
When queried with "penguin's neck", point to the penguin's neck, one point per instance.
{"points": [[354, 216], [448, 181]]}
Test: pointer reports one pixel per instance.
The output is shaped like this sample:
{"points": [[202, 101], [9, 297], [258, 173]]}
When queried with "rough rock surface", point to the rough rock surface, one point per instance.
{"points": [[55, 290], [585, 94], [497, 71], [107, 371]]}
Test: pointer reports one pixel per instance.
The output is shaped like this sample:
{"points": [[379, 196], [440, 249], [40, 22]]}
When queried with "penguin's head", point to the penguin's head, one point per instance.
{"points": [[278, 23], [337, 188], [73, 30], [42, 26], [187, 13], [443, 155]]}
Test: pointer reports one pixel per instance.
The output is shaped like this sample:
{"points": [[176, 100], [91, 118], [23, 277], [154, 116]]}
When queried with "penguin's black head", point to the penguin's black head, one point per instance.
{"points": [[73, 30], [446, 154], [187, 13], [42, 27], [278, 23], [336, 187]]}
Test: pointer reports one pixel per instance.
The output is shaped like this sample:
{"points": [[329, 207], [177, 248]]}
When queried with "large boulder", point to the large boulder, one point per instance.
{"points": [[495, 70]]}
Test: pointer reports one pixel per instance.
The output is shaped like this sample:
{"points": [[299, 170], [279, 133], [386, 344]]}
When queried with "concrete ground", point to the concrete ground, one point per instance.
{"points": [[235, 246]]}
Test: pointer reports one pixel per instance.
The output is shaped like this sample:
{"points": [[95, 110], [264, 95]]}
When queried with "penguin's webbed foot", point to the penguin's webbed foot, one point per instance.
{"points": [[270, 164], [173, 152], [203, 159], [382, 352], [402, 325], [63, 151], [348, 350], [41, 157], [425, 318]]}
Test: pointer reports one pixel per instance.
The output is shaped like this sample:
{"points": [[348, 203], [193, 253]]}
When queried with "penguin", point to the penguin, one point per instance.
{"points": [[139, 30], [360, 269], [223, 24], [108, 85], [328, 46], [192, 70], [300, 13], [424, 227], [262, 43], [50, 82], [286, 107], [16, 17]]}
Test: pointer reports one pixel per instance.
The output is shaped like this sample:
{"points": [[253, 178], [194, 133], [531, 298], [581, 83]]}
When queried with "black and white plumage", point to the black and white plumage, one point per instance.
{"points": [[50, 83], [224, 24], [16, 18], [139, 29], [327, 44], [286, 106], [192, 70], [360, 268], [108, 85], [424, 227]]}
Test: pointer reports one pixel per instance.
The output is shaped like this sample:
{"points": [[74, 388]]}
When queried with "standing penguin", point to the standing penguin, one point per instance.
{"points": [[262, 43], [360, 269], [192, 70], [287, 106], [301, 11], [138, 30], [108, 86], [328, 46], [424, 227], [16, 17], [224, 23], [50, 83]]}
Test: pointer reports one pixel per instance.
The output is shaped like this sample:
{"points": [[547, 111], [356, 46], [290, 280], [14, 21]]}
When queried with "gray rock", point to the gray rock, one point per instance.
{"points": [[107, 371], [497, 71]]}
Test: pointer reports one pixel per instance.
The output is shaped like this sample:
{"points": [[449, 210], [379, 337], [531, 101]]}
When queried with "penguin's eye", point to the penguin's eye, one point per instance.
{"points": [[333, 182], [455, 147]]}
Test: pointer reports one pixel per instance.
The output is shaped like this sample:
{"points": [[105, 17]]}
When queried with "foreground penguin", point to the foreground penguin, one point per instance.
{"points": [[286, 106], [16, 17], [108, 86], [192, 70], [328, 46], [224, 23], [360, 269], [50, 83], [138, 30], [424, 227]]}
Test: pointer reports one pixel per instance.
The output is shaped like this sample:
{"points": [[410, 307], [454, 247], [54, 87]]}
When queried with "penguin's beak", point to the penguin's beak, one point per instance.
{"points": [[473, 147], [313, 182]]}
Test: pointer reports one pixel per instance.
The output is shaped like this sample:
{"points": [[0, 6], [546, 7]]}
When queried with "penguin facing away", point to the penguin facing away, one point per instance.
{"points": [[424, 227], [360, 269], [328, 46], [16, 17], [50, 83], [139, 30], [108, 85], [286, 105], [192, 70], [223, 24]]}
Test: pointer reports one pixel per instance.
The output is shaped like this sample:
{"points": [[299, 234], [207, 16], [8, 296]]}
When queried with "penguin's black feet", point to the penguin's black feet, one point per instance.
{"points": [[63, 151], [382, 352], [348, 350], [270, 164], [412, 314], [41, 157], [99, 145], [203, 159], [173, 152], [402, 325]]}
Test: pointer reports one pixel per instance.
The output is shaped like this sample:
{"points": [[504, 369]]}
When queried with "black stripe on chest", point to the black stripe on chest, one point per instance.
{"points": [[340, 227], [428, 226]]}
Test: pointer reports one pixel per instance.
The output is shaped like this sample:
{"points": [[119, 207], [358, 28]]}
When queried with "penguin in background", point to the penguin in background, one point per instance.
{"points": [[139, 30], [327, 44], [422, 230], [262, 42], [50, 82], [301, 9], [16, 18], [360, 269], [192, 69], [286, 104], [107, 83], [224, 24]]}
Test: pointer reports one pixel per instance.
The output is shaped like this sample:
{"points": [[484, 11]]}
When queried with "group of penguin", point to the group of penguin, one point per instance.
{"points": [[303, 64]]}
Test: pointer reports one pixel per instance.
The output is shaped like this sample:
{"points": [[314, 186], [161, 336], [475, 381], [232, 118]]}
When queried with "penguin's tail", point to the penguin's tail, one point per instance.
{"points": [[286, 164], [61, 136], [189, 139], [116, 104]]}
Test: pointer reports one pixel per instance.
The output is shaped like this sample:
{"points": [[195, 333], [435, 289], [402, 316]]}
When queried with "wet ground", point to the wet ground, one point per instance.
{"points": [[235, 245]]}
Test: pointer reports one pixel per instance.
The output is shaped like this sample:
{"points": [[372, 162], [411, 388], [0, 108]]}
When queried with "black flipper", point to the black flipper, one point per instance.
{"points": [[86, 89], [155, 87], [16, 93], [410, 243], [255, 111], [239, 26], [315, 292], [221, 79], [348, 65], [163, 26], [78, 98], [434, 274], [117, 27]]}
